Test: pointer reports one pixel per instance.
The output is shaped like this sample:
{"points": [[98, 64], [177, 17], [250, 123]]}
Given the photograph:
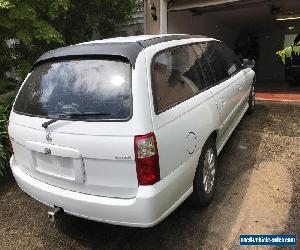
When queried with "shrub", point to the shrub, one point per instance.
{"points": [[8, 98], [287, 52], [5, 107], [4, 148]]}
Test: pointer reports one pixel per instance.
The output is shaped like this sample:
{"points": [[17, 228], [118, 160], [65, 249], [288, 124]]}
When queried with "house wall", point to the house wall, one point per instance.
{"points": [[269, 65], [136, 26], [152, 27], [185, 22], [187, 4], [160, 25]]}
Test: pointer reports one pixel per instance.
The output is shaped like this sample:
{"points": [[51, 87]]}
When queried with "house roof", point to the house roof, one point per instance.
{"points": [[126, 48]]}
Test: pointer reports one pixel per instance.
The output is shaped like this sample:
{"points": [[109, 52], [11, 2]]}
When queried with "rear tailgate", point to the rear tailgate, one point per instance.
{"points": [[95, 163], [93, 154]]}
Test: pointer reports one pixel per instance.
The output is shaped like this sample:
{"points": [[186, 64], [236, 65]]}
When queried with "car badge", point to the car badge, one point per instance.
{"points": [[47, 151], [48, 137]]}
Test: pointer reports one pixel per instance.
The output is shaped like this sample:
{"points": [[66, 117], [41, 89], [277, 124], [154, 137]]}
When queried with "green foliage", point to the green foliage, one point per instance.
{"points": [[86, 17], [8, 98], [287, 52], [5, 4], [7, 86], [4, 149], [37, 26], [28, 28], [7, 95]]}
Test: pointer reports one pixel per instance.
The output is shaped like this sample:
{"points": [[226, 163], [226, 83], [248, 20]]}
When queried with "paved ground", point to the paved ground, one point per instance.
{"points": [[258, 192], [278, 97], [277, 87], [277, 91]]}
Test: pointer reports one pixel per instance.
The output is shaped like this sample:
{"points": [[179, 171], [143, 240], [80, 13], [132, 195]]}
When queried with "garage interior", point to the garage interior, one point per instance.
{"points": [[250, 27]]}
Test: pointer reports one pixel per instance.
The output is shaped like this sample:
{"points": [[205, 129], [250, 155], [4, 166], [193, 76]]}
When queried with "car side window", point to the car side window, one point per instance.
{"points": [[175, 77], [217, 61], [204, 67], [231, 59]]}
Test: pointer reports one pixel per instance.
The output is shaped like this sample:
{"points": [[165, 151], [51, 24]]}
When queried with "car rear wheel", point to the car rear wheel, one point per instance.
{"points": [[205, 177]]}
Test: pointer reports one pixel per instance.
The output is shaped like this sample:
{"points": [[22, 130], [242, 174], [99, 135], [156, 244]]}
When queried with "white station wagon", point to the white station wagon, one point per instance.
{"points": [[123, 130]]}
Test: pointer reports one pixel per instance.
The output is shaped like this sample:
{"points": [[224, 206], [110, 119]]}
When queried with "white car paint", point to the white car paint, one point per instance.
{"points": [[93, 172]]}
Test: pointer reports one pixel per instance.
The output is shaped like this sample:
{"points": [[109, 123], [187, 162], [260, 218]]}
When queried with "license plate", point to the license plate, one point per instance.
{"points": [[61, 167]]}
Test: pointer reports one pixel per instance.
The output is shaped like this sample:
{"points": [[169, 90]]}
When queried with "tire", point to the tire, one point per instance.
{"points": [[252, 100], [203, 190]]}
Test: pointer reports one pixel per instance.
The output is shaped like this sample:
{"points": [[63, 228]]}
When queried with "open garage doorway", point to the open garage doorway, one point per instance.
{"points": [[250, 27]]}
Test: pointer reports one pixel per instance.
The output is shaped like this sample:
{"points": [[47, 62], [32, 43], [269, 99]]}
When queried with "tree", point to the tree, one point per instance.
{"points": [[26, 31], [86, 17], [28, 28], [36, 26]]}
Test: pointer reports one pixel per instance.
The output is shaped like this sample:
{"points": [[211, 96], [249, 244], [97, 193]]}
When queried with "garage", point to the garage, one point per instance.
{"points": [[255, 29]]}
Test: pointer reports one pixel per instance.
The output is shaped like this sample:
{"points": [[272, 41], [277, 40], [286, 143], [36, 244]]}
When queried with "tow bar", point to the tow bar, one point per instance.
{"points": [[54, 213]]}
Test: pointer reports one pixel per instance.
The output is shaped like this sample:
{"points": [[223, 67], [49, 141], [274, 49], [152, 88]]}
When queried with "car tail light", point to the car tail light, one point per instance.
{"points": [[147, 160]]}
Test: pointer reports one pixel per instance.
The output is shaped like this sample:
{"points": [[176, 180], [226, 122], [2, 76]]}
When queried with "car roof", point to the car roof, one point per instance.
{"points": [[127, 39], [124, 48], [143, 38]]}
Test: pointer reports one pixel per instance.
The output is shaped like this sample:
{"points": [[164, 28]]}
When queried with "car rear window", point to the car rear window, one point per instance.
{"points": [[78, 86]]}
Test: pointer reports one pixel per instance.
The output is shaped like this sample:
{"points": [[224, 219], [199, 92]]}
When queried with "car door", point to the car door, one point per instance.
{"points": [[236, 72], [175, 85], [248, 83], [225, 88]]}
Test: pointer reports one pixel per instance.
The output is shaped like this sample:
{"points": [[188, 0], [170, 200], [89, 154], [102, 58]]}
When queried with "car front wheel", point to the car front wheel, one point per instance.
{"points": [[252, 100]]}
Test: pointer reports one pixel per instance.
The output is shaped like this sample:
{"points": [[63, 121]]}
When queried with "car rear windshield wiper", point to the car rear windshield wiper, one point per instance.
{"points": [[71, 115]]}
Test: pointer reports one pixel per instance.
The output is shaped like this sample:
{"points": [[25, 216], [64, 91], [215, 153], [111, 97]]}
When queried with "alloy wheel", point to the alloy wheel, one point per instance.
{"points": [[209, 171]]}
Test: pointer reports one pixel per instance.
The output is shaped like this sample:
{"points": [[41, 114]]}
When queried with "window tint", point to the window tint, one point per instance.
{"points": [[205, 69], [175, 77], [233, 64], [78, 86], [217, 61]]}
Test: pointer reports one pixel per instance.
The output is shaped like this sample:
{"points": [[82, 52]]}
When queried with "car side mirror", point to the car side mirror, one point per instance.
{"points": [[247, 63]]}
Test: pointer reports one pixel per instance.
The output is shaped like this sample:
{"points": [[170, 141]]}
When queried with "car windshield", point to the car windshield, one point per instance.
{"points": [[77, 86]]}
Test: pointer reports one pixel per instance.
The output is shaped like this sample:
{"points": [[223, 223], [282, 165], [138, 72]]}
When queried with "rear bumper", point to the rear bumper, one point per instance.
{"points": [[151, 205]]}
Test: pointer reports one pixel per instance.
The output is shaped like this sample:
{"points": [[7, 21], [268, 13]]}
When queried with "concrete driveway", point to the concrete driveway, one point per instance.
{"points": [[258, 192]]}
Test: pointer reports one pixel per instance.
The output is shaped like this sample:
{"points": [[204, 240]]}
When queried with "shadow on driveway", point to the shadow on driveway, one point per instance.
{"points": [[261, 158], [186, 227]]}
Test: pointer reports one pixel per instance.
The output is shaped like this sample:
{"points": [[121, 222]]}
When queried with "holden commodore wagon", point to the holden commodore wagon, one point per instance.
{"points": [[123, 130]]}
